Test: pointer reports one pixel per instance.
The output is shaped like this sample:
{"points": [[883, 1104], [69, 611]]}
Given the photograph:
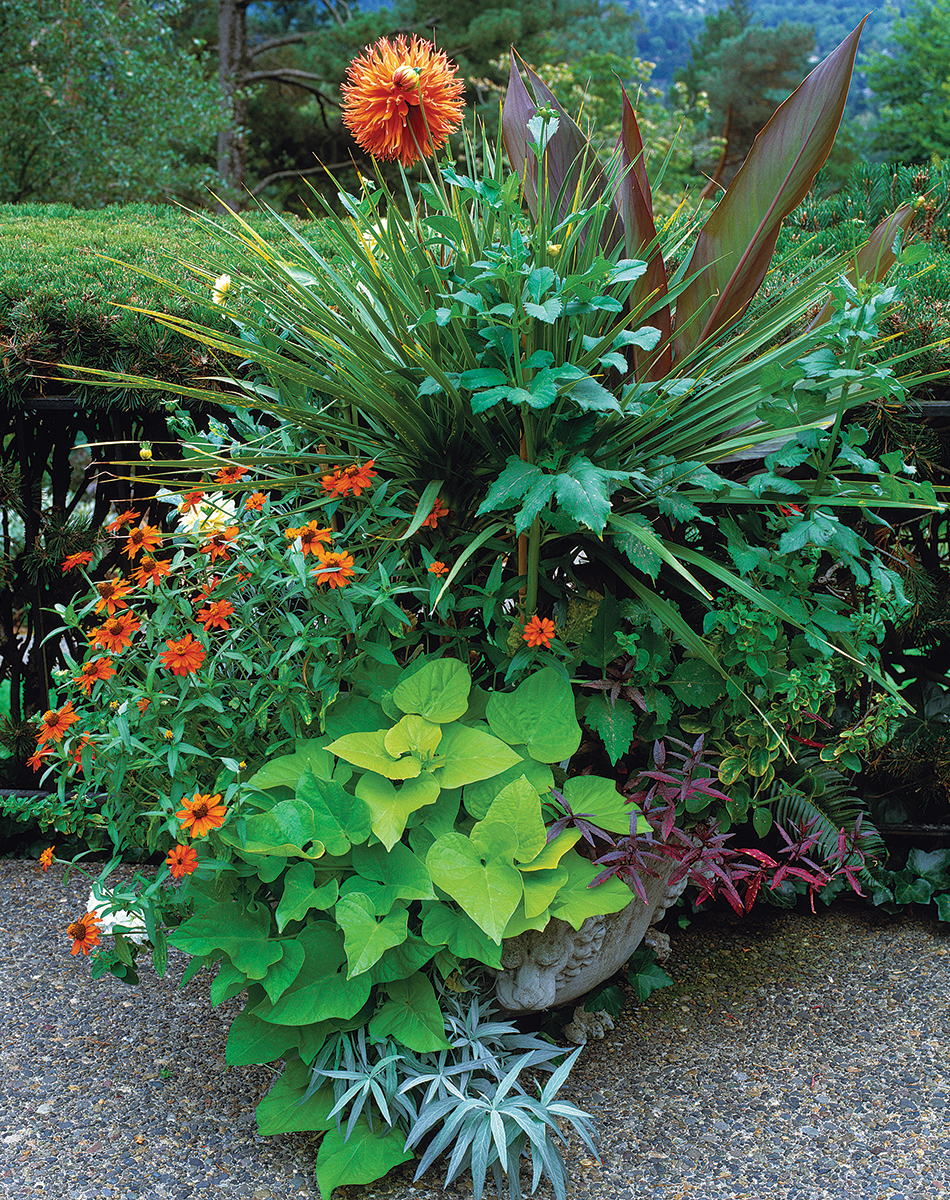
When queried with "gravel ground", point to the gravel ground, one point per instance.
{"points": [[796, 1058]]}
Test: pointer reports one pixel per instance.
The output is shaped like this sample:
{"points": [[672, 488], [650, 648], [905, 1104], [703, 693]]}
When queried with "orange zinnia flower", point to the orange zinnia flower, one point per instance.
{"points": [[84, 933], [335, 567], [92, 671], [182, 657], [206, 590], [35, 761], [150, 570], [353, 478], [402, 100], [191, 501], [76, 756], [539, 631], [112, 593], [181, 861], [217, 545], [214, 615], [79, 559], [231, 474], [438, 511], [255, 502], [201, 813], [143, 537], [116, 633], [123, 519], [46, 858], [312, 538], [438, 568], [56, 722], [142, 704]]}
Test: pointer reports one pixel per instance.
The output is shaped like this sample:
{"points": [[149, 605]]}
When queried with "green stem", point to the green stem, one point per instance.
{"points": [[825, 468], [534, 533]]}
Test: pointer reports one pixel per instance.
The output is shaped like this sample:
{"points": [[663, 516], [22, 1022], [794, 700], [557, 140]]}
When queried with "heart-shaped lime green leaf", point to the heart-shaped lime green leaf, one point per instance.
{"points": [[443, 925], [281, 1111], [495, 841], [402, 961], [251, 1040], [488, 892], [339, 819], [553, 852], [599, 797], [321, 991], [438, 691], [391, 807], [285, 771], [521, 923], [363, 1157], [415, 734], [539, 713], [368, 750], [243, 936], [478, 796], [401, 874], [281, 975], [467, 755], [283, 830], [300, 895], [576, 900], [540, 890], [519, 805], [366, 940], [411, 1015]]}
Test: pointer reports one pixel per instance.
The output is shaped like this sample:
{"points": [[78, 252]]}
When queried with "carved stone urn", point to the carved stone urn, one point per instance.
{"points": [[546, 968]]}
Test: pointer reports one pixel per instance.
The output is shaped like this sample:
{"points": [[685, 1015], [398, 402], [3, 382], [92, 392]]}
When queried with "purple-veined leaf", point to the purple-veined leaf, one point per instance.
{"points": [[736, 244], [876, 257]]}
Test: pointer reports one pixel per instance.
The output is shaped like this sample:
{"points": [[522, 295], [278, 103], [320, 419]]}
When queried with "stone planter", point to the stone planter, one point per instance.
{"points": [[547, 968]]}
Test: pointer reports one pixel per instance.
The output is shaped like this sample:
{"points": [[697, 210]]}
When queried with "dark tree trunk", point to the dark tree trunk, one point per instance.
{"points": [[233, 62]]}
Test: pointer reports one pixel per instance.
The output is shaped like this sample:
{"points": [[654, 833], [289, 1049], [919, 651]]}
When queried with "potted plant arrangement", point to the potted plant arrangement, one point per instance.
{"points": [[502, 498]]}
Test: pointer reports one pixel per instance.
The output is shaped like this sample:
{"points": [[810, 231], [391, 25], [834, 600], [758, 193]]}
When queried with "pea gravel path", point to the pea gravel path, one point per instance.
{"points": [[796, 1058]]}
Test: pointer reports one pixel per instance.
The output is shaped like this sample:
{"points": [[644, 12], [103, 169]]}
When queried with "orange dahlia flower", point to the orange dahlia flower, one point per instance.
{"points": [[201, 813], [181, 861], [182, 657], [79, 559], [84, 933], [402, 99], [112, 593], [92, 671], [539, 631], [116, 633], [335, 568], [55, 723]]}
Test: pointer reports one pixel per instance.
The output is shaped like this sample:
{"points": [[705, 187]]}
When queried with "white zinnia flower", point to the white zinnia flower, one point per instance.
{"points": [[222, 285]]}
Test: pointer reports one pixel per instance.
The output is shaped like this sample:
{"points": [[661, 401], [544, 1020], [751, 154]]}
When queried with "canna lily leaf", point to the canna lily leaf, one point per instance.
{"points": [[735, 246]]}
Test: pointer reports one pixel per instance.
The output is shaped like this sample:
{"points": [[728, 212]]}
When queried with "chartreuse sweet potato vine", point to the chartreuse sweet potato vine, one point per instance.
{"points": [[368, 866]]}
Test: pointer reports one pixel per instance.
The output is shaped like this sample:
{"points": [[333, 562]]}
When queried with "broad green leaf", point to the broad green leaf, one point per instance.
{"points": [[366, 940], [445, 925], [416, 734], [933, 865], [695, 683], [300, 895], [583, 491], [735, 246], [340, 820], [391, 807], [520, 923], [599, 797], [352, 713], [321, 991], [281, 1111], [281, 975], [251, 1040], [243, 936], [368, 750], [645, 976], [540, 890], [576, 900], [228, 982], [943, 906], [519, 806], [363, 1158], [540, 713], [438, 691], [468, 755], [553, 852], [489, 893], [478, 796], [411, 1015], [495, 841], [600, 646], [282, 831], [401, 874], [286, 770], [613, 722], [402, 961]]}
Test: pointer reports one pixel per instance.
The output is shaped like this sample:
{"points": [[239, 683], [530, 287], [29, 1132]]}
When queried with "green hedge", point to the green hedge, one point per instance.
{"points": [[65, 271]]}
